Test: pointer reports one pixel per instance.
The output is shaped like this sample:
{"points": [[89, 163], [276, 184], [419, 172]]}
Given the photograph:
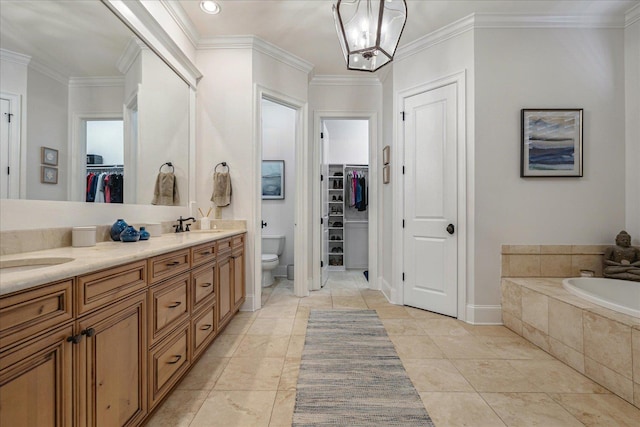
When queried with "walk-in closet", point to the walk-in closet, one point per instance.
{"points": [[345, 194]]}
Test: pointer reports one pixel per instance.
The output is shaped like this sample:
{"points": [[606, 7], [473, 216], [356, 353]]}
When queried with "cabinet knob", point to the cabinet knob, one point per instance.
{"points": [[175, 304], [177, 359], [89, 332], [74, 339], [205, 253], [205, 327], [173, 264], [205, 285]]}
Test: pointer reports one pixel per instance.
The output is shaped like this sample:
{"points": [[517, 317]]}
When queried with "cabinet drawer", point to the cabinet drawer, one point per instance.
{"points": [[202, 285], [223, 246], [29, 313], [237, 242], [169, 306], [167, 265], [168, 362], [203, 253], [103, 287], [203, 329]]}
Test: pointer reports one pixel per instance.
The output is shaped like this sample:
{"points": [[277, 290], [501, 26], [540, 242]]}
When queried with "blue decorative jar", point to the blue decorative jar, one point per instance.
{"points": [[117, 228], [129, 234], [144, 234]]}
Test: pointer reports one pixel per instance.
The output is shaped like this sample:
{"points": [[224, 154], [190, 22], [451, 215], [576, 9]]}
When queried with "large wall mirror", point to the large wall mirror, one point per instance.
{"points": [[82, 98]]}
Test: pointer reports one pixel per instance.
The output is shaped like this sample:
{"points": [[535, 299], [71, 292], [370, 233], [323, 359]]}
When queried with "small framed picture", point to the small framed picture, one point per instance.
{"points": [[49, 156], [386, 174], [386, 155], [48, 175], [551, 143], [272, 179]]}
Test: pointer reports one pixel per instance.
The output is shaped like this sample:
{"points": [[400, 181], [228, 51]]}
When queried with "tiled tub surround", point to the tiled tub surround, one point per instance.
{"points": [[19, 241], [551, 260], [600, 343]]}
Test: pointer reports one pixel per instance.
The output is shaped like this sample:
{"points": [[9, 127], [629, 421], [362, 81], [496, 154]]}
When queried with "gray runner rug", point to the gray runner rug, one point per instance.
{"points": [[350, 375]]}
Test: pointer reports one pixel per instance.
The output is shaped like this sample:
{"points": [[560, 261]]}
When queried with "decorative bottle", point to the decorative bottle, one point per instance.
{"points": [[129, 234], [117, 228], [144, 234]]}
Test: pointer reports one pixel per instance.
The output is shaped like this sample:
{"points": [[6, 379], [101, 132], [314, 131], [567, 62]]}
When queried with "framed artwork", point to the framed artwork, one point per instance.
{"points": [[551, 143], [386, 174], [386, 155], [272, 179], [48, 175], [49, 156]]}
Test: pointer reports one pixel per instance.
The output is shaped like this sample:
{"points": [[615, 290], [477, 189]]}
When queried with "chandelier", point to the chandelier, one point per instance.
{"points": [[369, 31]]}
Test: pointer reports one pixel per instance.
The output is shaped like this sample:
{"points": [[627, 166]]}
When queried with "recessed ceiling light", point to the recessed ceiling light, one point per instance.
{"points": [[210, 7]]}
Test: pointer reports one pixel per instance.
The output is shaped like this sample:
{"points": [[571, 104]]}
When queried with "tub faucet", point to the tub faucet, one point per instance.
{"points": [[179, 227]]}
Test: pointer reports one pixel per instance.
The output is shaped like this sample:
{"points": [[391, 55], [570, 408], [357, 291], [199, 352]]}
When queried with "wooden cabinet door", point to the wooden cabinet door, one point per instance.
{"points": [[36, 382], [112, 365], [238, 279], [224, 291]]}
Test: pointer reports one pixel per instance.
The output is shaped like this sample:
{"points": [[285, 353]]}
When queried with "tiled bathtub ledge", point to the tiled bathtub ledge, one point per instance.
{"points": [[602, 344]]}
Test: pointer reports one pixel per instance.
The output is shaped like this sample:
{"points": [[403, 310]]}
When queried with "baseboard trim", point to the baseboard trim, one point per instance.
{"points": [[484, 314]]}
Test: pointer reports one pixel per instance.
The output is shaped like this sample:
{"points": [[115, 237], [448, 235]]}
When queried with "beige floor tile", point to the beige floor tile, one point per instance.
{"points": [[239, 325], [402, 327], [290, 373], [463, 347], [269, 326], [415, 347], [251, 374], [320, 301], [459, 410], [423, 314], [225, 345], [514, 348], [259, 346], [296, 345], [236, 409], [282, 311], [443, 326], [489, 330], [345, 292], [179, 409], [282, 414], [204, 374], [599, 409], [356, 303], [494, 376], [556, 377], [375, 301], [435, 375], [530, 409], [392, 312]]}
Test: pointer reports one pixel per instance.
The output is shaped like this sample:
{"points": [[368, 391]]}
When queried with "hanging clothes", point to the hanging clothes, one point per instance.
{"points": [[357, 190]]}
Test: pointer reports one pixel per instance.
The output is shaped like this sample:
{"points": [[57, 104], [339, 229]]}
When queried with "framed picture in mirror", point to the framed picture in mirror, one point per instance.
{"points": [[49, 156], [48, 175]]}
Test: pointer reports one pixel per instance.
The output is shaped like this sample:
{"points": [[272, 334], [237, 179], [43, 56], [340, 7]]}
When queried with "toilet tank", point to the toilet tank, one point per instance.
{"points": [[272, 245]]}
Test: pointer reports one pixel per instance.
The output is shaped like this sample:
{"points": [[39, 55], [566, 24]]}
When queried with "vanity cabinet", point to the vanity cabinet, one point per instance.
{"points": [[104, 348]]}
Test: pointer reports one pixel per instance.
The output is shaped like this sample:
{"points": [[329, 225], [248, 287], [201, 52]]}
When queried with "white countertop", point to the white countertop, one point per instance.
{"points": [[101, 256]]}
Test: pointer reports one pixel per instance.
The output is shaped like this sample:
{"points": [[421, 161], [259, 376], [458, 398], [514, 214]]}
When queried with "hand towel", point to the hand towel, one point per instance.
{"points": [[166, 190], [221, 189]]}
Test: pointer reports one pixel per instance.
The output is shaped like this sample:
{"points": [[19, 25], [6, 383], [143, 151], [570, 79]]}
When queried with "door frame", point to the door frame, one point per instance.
{"points": [[397, 292], [17, 154], [314, 245], [301, 282]]}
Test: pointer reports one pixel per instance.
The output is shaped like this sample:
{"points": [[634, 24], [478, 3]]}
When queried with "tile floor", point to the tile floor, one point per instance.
{"points": [[466, 375]]}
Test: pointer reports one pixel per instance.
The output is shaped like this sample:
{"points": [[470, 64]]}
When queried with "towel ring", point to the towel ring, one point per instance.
{"points": [[224, 165], [168, 164]]}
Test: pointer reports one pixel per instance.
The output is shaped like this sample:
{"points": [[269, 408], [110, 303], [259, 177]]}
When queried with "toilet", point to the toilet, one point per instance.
{"points": [[272, 248]]}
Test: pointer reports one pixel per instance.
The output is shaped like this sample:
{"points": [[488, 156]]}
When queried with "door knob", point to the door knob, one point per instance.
{"points": [[264, 224], [451, 229]]}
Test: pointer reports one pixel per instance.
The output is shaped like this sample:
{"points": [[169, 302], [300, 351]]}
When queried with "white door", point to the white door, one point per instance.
{"points": [[430, 201], [324, 203], [9, 147]]}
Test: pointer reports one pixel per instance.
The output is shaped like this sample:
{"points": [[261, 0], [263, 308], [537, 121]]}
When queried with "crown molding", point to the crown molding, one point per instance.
{"points": [[443, 34], [632, 16], [49, 72], [144, 25], [129, 55], [16, 58], [259, 45], [513, 20], [178, 14], [96, 81], [338, 80]]}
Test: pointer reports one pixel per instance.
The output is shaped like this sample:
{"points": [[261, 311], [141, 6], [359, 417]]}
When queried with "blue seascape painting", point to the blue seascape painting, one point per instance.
{"points": [[273, 179], [550, 139]]}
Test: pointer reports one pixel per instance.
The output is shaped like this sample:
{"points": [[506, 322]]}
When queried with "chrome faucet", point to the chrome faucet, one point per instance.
{"points": [[179, 227]]}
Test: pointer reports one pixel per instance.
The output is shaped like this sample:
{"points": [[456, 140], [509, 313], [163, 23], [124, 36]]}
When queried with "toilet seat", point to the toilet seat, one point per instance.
{"points": [[269, 257]]}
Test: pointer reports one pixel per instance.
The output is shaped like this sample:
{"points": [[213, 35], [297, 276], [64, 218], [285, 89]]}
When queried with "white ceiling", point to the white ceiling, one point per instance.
{"points": [[306, 28]]}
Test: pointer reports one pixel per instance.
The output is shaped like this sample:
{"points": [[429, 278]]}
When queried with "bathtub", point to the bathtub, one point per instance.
{"points": [[619, 295]]}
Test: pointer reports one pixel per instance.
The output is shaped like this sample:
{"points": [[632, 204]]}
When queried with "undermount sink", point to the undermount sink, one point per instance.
{"points": [[31, 263]]}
